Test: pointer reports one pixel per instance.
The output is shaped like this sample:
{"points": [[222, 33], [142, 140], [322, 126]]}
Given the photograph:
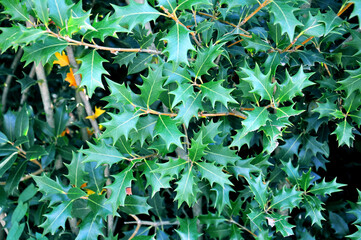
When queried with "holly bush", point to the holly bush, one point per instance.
{"points": [[212, 119]]}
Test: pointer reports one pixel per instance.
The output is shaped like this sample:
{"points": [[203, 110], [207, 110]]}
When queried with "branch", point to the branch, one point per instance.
{"points": [[13, 66], [243, 227], [139, 223], [265, 3], [110, 49], [201, 114], [28, 176], [153, 224]]}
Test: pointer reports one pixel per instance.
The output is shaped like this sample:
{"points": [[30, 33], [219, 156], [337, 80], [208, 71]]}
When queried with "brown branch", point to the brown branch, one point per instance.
{"points": [[13, 66], [265, 3], [139, 223], [153, 224], [342, 10], [230, 45], [241, 226], [110, 49]]}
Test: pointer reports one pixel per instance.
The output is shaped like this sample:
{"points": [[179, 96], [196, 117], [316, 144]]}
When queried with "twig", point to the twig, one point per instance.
{"points": [[265, 3], [342, 10], [139, 223], [83, 96], [13, 66], [110, 49], [200, 114], [241, 226], [28, 176]]}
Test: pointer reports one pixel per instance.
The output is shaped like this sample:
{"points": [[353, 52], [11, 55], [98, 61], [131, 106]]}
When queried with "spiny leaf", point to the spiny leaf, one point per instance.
{"points": [[261, 84], [41, 9], [91, 227], [313, 206], [259, 190], [120, 125], [344, 134], [205, 59], [213, 173], [92, 70], [167, 129], [152, 85], [324, 187], [155, 179], [178, 44], [135, 205], [57, 217], [287, 198], [59, 11], [187, 188], [76, 170], [353, 82], [283, 14], [188, 229], [171, 168], [16, 9], [215, 92], [102, 153], [134, 14], [189, 109], [122, 180]]}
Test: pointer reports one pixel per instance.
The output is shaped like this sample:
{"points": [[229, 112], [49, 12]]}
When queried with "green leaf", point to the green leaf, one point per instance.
{"points": [[28, 193], [188, 4], [205, 59], [41, 51], [28, 35], [213, 173], [187, 188], [59, 12], [167, 129], [324, 187], [338, 224], [135, 205], [7, 163], [325, 109], [171, 168], [183, 92], [75, 193], [152, 85], [16, 231], [135, 14], [61, 118], [356, 235], [141, 62], [293, 86], [121, 181], [22, 123], [92, 70], [287, 198], [283, 14], [214, 91], [209, 131], [8, 36], [356, 10], [155, 179], [282, 225], [259, 190], [16, 9], [257, 218], [255, 119], [41, 10], [104, 28], [221, 155], [57, 217], [188, 229], [120, 92], [76, 170], [120, 125], [48, 186], [244, 168], [256, 43], [91, 227], [124, 58], [330, 20], [179, 75], [178, 44], [35, 152], [222, 196], [353, 82], [101, 153], [261, 84], [19, 212], [292, 172], [145, 129], [344, 134], [26, 83], [189, 109]]}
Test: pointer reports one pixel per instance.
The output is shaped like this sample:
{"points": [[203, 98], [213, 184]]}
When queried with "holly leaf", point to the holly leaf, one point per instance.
{"points": [[291, 171], [76, 170], [283, 14], [260, 83], [222, 196], [104, 28], [189, 109], [41, 10], [182, 93], [7, 163], [214, 91], [135, 205], [324, 187], [282, 225], [16, 9], [171, 168], [120, 125], [205, 59], [244, 168], [102, 153], [122, 181], [196, 151], [293, 86], [92, 70], [48, 186], [155, 179], [135, 14], [313, 206], [213, 173], [256, 43], [90, 227], [152, 85], [59, 12], [119, 93], [188, 229], [344, 134], [188, 4], [221, 155], [325, 109], [167, 129], [187, 188], [259, 190], [57, 217], [178, 44], [287, 198], [41, 51], [209, 131], [9, 35], [356, 10], [353, 82]]}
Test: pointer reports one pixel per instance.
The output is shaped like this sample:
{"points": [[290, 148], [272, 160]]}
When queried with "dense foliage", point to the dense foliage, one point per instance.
{"points": [[212, 118]]}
